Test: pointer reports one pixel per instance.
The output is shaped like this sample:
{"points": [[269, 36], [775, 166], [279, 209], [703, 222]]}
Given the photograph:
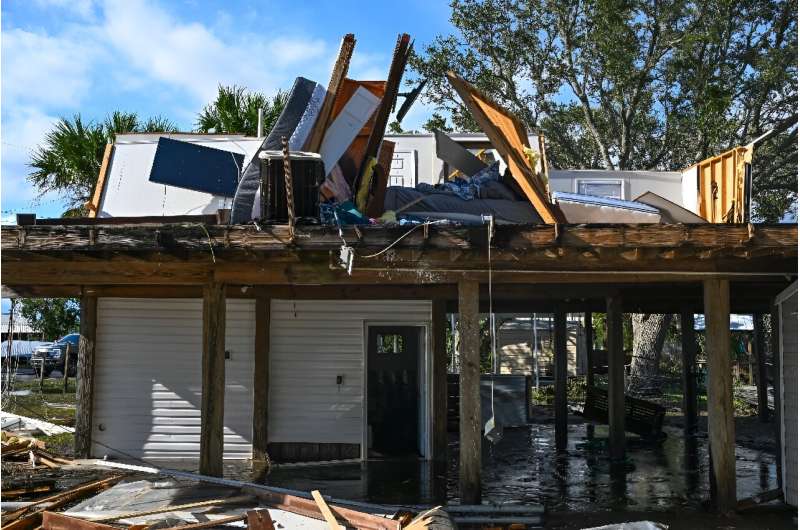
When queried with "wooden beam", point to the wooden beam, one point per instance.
{"points": [[85, 377], [261, 380], [589, 331], [213, 398], [689, 375], [560, 401], [439, 378], [721, 439], [338, 75], [94, 205], [761, 366], [616, 379], [470, 394]]}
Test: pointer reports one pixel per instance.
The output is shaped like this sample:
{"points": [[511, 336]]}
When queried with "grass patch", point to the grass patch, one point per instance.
{"points": [[49, 403]]}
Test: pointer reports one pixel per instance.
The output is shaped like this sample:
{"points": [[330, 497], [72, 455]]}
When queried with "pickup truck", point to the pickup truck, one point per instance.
{"points": [[52, 356]]}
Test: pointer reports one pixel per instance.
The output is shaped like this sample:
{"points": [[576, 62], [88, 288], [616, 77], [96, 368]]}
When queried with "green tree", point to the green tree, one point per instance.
{"points": [[68, 162], [52, 317], [637, 84], [236, 111]]}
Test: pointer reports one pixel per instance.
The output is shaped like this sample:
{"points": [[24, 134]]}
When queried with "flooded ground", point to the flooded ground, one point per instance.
{"points": [[523, 468]]}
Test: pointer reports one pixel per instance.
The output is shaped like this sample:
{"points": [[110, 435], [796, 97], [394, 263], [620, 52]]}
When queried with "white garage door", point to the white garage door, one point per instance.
{"points": [[148, 378]]}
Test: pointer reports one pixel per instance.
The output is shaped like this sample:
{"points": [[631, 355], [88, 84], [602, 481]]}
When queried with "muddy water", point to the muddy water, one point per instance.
{"points": [[523, 467]]}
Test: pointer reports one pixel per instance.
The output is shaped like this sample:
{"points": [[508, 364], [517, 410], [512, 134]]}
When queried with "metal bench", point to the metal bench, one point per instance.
{"points": [[641, 417]]}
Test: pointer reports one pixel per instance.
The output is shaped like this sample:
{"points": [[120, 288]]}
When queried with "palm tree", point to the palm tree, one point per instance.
{"points": [[68, 162], [236, 111]]}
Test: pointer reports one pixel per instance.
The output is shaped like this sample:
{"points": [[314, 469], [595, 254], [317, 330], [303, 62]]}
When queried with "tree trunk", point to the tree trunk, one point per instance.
{"points": [[649, 333]]}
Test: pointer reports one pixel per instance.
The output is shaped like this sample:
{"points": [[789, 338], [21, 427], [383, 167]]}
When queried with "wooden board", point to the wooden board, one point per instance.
{"points": [[375, 206], [94, 204], [338, 76], [469, 394], [509, 137], [396, 69]]}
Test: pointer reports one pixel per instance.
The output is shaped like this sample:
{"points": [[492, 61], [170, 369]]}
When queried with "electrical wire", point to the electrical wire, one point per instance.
{"points": [[399, 239]]}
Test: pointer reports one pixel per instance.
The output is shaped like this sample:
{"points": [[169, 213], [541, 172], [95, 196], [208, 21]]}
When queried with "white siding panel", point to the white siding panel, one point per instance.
{"points": [[148, 377], [788, 309], [311, 342]]}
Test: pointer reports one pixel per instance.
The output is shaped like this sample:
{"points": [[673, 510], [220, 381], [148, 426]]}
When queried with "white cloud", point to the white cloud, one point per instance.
{"points": [[191, 57], [48, 71], [81, 8]]}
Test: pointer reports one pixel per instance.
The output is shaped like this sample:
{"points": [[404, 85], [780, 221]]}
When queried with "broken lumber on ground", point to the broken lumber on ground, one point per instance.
{"points": [[30, 516]]}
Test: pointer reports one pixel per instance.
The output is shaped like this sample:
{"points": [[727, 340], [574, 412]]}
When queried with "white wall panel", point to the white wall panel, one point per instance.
{"points": [[311, 342], [148, 378]]}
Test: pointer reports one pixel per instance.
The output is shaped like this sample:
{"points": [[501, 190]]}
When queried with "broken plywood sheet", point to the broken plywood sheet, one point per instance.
{"points": [[722, 187], [510, 138]]}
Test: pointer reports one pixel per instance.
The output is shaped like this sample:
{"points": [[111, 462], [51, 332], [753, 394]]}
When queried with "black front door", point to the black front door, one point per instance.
{"points": [[393, 390]]}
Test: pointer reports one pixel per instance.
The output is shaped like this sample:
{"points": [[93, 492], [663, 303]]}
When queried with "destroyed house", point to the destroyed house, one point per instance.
{"points": [[275, 297]]}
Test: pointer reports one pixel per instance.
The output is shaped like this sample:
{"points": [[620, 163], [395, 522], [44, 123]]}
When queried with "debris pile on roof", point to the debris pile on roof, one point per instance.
{"points": [[326, 160]]}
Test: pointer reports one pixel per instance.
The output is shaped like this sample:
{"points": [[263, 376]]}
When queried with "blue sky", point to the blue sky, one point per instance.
{"points": [[61, 57]]}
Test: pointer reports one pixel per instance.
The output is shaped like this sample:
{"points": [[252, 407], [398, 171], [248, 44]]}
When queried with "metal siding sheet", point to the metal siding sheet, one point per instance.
{"points": [[311, 342], [147, 378]]}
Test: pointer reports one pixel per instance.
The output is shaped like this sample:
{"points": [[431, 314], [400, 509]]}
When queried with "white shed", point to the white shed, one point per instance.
{"points": [[787, 328]]}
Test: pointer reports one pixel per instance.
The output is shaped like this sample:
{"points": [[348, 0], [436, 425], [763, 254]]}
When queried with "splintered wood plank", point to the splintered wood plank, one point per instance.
{"points": [[375, 206], [325, 510], [510, 138], [338, 76], [396, 69], [94, 205]]}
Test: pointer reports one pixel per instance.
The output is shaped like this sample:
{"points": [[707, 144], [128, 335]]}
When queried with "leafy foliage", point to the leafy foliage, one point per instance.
{"points": [[236, 111], [52, 317], [69, 160], [637, 84]]}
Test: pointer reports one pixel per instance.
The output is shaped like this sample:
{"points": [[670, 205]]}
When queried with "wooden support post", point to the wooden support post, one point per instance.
{"points": [[65, 375], [470, 394], [689, 357], [775, 346], [213, 399], [85, 377], [560, 401], [761, 366], [589, 331], [261, 381], [439, 378], [721, 442], [616, 379]]}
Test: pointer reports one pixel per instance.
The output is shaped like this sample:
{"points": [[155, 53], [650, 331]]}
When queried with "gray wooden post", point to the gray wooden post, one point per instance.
{"points": [[85, 377], [470, 394], [616, 379], [689, 376], [213, 398], [721, 441], [560, 401]]}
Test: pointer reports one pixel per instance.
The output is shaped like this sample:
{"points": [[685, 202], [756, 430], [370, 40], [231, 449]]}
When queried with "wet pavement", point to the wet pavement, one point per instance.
{"points": [[523, 468]]}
